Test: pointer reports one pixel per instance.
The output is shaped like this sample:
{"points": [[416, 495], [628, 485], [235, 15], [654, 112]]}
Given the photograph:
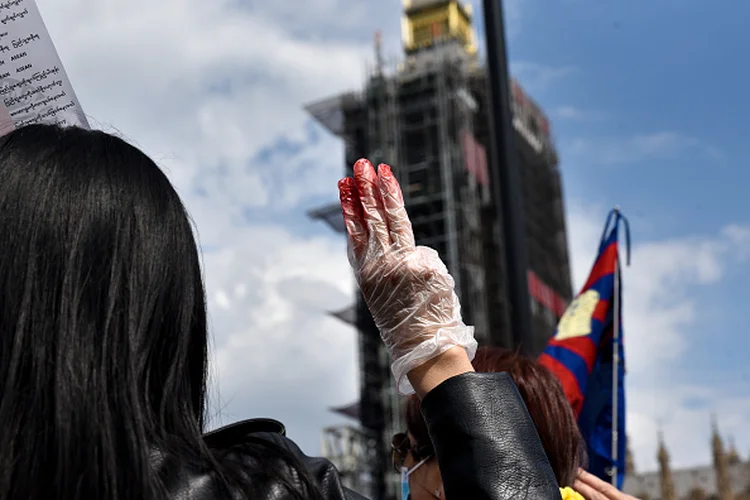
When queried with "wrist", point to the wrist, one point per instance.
{"points": [[432, 373]]}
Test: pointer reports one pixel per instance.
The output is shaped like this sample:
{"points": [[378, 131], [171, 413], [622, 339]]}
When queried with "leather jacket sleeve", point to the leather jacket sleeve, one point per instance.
{"points": [[485, 441]]}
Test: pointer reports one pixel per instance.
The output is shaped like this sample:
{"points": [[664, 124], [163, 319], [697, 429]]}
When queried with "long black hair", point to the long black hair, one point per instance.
{"points": [[103, 336]]}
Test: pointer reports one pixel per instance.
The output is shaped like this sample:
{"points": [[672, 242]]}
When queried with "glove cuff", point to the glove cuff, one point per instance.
{"points": [[445, 339]]}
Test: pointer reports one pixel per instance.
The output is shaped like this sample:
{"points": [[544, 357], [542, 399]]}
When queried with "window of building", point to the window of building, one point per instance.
{"points": [[533, 125], [416, 152]]}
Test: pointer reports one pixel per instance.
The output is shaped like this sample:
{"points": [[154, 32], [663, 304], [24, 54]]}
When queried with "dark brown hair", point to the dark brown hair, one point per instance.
{"points": [[545, 400]]}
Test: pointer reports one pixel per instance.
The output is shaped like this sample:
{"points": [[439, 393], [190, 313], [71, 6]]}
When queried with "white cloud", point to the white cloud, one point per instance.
{"points": [[574, 113], [536, 77], [660, 313], [206, 85], [657, 145], [277, 352], [570, 112], [206, 88]]}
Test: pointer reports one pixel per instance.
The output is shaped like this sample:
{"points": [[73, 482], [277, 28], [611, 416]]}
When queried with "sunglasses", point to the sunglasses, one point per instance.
{"points": [[401, 447]]}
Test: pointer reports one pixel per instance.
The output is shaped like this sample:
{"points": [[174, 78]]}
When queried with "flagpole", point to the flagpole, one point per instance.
{"points": [[616, 360]]}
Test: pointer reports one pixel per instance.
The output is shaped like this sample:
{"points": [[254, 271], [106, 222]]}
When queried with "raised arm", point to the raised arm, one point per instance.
{"points": [[482, 432]]}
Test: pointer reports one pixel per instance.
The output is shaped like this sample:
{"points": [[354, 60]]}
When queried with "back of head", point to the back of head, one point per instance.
{"points": [[102, 317], [549, 409], [544, 397]]}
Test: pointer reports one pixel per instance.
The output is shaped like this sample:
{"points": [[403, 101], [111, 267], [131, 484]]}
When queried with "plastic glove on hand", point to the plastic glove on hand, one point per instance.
{"points": [[407, 288]]}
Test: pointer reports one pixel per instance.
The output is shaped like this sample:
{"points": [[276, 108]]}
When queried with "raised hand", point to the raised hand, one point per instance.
{"points": [[593, 488], [407, 288]]}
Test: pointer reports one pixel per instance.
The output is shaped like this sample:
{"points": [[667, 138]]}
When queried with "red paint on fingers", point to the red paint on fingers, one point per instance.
{"points": [[371, 199], [351, 208], [389, 182], [399, 225]]}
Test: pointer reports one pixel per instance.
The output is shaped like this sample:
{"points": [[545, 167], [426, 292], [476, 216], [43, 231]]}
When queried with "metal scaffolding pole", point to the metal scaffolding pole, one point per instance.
{"points": [[506, 178]]}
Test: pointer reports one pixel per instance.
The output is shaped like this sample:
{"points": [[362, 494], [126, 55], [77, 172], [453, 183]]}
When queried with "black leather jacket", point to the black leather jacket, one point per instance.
{"points": [[486, 444]]}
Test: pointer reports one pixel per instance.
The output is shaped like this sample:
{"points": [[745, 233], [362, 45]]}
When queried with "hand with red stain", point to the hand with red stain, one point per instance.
{"points": [[407, 288]]}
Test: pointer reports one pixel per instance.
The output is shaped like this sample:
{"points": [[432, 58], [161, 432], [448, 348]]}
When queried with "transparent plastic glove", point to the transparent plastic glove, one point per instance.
{"points": [[407, 288]]}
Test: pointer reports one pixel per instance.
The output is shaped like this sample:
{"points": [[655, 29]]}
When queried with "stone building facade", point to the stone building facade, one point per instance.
{"points": [[728, 478]]}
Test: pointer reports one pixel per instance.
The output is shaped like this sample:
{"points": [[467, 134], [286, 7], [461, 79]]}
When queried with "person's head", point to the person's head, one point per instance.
{"points": [[103, 342], [544, 397], [414, 457], [103, 337]]}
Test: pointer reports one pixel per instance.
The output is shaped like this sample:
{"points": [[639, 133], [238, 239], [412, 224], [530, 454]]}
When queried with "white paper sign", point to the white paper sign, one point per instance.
{"points": [[33, 85]]}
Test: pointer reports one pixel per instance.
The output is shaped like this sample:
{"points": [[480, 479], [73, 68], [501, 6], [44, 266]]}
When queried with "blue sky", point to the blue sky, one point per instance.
{"points": [[646, 102], [672, 72], [632, 69]]}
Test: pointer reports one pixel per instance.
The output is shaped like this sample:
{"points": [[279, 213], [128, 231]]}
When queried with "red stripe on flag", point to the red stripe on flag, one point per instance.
{"points": [[601, 310], [605, 265], [583, 346], [567, 379]]}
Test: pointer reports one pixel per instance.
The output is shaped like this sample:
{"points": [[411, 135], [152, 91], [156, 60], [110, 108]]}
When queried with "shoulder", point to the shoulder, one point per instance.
{"points": [[257, 454], [273, 433], [230, 435]]}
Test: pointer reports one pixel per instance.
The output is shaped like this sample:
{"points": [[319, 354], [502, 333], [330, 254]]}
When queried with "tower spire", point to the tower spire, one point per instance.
{"points": [[733, 456], [427, 23], [665, 471], [379, 53], [721, 463]]}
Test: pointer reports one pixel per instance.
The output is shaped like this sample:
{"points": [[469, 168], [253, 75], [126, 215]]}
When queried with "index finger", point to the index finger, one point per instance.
{"points": [[351, 206], [399, 225], [601, 486], [372, 204], [587, 491]]}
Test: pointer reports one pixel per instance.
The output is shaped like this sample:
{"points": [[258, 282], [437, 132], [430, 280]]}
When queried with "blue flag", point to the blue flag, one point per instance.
{"points": [[582, 355]]}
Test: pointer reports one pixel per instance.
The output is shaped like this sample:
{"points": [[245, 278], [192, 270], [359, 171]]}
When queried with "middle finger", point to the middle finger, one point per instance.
{"points": [[372, 204]]}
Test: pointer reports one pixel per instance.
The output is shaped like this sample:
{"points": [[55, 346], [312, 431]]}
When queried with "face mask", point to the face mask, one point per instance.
{"points": [[405, 473]]}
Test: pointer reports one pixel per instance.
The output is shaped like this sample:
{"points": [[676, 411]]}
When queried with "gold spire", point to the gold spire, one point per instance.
{"points": [[428, 22], [665, 472], [697, 493], [721, 465], [733, 457]]}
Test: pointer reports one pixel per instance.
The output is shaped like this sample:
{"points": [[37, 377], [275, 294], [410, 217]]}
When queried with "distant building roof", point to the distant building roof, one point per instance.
{"points": [[421, 4], [351, 411], [331, 215], [412, 5], [347, 315], [329, 112], [685, 480]]}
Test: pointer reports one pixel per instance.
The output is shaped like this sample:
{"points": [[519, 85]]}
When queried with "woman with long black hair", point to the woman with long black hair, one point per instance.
{"points": [[103, 342]]}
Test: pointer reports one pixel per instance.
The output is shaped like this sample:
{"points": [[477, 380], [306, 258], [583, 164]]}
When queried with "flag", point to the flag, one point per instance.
{"points": [[582, 355]]}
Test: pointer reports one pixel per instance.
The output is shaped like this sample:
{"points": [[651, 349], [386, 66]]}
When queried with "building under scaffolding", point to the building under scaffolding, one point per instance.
{"points": [[345, 446], [426, 117]]}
